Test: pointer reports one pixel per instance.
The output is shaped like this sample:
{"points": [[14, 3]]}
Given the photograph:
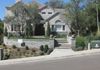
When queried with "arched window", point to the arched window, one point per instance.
{"points": [[57, 21]]}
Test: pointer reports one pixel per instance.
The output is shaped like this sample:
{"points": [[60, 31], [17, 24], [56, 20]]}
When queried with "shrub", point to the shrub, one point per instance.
{"points": [[10, 35], [61, 36], [80, 43], [41, 53], [6, 56], [97, 37], [18, 49], [14, 47], [41, 48], [46, 48], [4, 45], [23, 44], [27, 48], [33, 50]]}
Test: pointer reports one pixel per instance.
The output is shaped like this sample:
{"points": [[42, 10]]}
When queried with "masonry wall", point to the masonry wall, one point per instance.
{"points": [[30, 42]]}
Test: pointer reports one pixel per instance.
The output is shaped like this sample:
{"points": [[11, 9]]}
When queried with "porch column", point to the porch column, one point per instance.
{"points": [[46, 23]]}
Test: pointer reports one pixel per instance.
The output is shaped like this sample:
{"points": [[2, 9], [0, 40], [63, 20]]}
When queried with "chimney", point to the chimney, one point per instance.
{"points": [[18, 1]]}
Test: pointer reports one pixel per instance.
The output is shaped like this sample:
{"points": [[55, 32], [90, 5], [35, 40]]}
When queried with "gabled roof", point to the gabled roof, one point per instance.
{"points": [[16, 5], [58, 12], [20, 7], [54, 15]]}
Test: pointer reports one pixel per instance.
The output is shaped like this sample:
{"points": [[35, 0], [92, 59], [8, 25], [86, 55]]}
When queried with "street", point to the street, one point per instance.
{"points": [[90, 62]]}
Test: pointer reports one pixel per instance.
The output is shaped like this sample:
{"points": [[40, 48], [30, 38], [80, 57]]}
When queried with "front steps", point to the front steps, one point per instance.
{"points": [[64, 46]]}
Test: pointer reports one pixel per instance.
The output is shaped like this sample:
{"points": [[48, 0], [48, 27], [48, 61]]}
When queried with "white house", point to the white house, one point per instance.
{"points": [[55, 17], [19, 17]]}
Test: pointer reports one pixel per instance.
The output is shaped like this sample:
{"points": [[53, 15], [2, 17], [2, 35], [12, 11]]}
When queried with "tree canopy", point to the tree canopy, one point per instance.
{"points": [[83, 16]]}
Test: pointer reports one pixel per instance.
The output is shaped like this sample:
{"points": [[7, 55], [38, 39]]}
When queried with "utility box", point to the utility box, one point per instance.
{"points": [[95, 44]]}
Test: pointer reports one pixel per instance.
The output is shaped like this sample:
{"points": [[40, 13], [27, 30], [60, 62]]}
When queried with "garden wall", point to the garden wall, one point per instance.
{"points": [[29, 42]]}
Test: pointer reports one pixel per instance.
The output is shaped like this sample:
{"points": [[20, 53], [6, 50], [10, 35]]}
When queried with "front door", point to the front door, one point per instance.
{"points": [[39, 30]]}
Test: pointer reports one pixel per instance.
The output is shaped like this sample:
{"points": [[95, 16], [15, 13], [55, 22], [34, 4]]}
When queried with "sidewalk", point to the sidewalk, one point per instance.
{"points": [[56, 54]]}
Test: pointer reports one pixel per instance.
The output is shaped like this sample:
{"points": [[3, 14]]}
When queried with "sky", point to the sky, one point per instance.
{"points": [[5, 3]]}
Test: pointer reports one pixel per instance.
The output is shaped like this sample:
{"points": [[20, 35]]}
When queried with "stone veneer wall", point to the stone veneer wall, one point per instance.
{"points": [[30, 42]]}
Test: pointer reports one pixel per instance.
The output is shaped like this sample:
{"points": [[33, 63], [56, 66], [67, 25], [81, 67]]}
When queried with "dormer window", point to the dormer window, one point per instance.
{"points": [[49, 12], [43, 12]]}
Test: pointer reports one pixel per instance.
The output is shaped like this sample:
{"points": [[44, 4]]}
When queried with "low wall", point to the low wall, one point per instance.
{"points": [[30, 42]]}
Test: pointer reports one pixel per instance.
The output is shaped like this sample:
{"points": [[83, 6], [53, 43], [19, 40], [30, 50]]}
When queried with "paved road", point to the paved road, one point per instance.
{"points": [[91, 62]]}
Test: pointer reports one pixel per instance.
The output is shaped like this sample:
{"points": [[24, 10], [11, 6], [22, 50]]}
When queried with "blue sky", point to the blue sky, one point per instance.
{"points": [[5, 3]]}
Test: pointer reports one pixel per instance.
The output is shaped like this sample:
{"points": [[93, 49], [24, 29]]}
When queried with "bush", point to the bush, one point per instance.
{"points": [[97, 37], [33, 50], [27, 48], [23, 44], [79, 49], [6, 56], [41, 48], [14, 47], [80, 43], [46, 48], [4, 45], [41, 53], [18, 49], [61, 36]]}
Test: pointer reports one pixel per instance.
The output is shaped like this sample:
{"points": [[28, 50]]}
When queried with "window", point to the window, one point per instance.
{"points": [[17, 27], [58, 27], [43, 12], [49, 12], [63, 27], [57, 21]]}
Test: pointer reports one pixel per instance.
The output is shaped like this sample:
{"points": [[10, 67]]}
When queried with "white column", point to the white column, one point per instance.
{"points": [[46, 27], [89, 47]]}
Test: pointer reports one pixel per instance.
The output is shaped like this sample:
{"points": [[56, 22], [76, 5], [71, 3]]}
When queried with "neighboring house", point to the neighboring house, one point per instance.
{"points": [[18, 16]]}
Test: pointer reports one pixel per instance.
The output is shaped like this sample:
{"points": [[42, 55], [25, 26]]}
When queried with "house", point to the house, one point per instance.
{"points": [[55, 18], [21, 21], [18, 15]]}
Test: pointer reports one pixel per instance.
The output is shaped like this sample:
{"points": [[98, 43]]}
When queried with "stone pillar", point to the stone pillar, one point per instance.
{"points": [[73, 43], [1, 53], [89, 47], [46, 28]]}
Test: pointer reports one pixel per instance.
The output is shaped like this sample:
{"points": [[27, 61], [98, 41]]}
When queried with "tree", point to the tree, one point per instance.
{"points": [[1, 27], [56, 3], [74, 10], [1, 31], [34, 13], [47, 32], [82, 14]]}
